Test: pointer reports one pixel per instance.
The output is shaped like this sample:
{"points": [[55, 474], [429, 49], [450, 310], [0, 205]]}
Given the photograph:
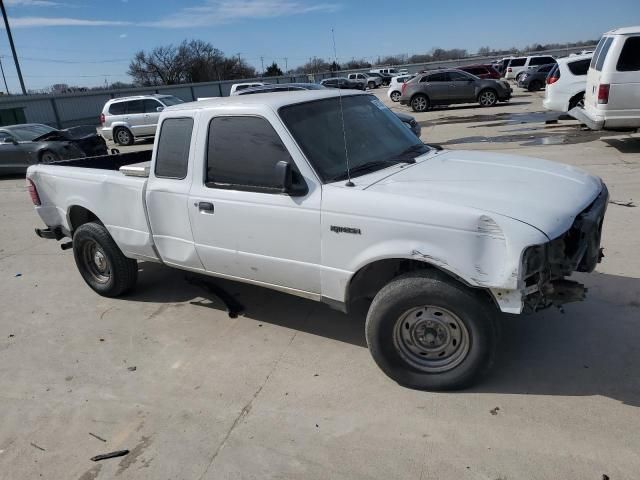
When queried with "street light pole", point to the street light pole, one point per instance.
{"points": [[13, 48]]}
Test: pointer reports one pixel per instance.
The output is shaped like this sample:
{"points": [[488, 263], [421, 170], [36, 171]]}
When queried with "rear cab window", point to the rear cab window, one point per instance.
{"points": [[629, 60], [172, 155], [517, 62]]}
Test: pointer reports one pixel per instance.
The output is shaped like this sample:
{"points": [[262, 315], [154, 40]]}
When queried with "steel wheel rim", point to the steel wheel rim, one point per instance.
{"points": [[96, 261], [395, 96], [431, 339], [48, 158], [123, 136], [487, 98], [420, 103]]}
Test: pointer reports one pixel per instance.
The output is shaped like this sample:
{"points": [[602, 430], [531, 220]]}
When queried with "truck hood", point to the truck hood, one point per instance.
{"points": [[543, 194]]}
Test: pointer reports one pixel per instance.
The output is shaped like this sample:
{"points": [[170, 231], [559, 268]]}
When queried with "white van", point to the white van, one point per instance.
{"points": [[612, 95]]}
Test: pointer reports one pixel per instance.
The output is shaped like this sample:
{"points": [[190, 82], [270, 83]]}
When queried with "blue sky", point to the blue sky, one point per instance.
{"points": [[83, 42]]}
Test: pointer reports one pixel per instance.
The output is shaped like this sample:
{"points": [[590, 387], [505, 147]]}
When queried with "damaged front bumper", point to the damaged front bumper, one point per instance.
{"points": [[577, 250]]}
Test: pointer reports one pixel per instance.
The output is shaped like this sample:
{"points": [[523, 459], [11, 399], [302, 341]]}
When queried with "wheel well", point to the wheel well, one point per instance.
{"points": [[576, 96], [369, 280], [79, 216]]}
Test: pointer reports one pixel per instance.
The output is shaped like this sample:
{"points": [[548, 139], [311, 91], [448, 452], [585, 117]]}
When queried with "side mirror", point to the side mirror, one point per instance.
{"points": [[10, 141], [159, 109], [283, 176]]}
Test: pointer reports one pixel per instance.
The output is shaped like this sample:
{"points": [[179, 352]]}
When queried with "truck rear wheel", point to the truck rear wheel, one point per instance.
{"points": [[101, 263], [428, 332]]}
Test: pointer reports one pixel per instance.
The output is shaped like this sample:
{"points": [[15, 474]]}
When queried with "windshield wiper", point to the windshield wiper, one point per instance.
{"points": [[408, 154], [365, 168]]}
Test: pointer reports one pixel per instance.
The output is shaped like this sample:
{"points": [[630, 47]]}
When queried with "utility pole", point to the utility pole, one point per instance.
{"points": [[286, 65], [6, 87], [239, 59], [262, 63], [13, 48]]}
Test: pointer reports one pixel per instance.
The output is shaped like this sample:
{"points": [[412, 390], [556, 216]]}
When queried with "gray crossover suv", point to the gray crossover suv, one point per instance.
{"points": [[446, 87]]}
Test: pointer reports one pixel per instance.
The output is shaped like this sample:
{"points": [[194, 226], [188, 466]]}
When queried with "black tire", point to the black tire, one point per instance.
{"points": [[123, 136], [518, 76], [487, 97], [395, 96], [420, 103], [431, 289], [535, 85], [372, 85], [101, 263], [47, 156], [576, 100]]}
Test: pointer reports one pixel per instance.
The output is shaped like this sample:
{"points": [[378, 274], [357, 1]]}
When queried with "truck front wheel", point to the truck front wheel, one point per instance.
{"points": [[101, 263], [429, 332]]}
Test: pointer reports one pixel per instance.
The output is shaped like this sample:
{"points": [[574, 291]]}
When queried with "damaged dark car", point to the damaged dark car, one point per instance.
{"points": [[32, 143]]}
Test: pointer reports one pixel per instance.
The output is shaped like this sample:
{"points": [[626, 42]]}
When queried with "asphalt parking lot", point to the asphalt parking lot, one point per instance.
{"points": [[288, 389]]}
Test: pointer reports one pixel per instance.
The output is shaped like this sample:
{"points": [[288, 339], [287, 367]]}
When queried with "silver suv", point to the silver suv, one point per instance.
{"points": [[125, 119]]}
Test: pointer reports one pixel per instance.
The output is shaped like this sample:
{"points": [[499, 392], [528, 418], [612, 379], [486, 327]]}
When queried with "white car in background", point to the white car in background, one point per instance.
{"points": [[395, 87], [125, 119], [612, 94], [566, 83], [236, 87], [518, 65]]}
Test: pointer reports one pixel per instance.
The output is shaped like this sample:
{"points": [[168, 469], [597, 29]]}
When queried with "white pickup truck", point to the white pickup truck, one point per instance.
{"points": [[333, 199]]}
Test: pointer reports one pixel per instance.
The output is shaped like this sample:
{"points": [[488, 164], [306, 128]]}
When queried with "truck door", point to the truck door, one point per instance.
{"points": [[244, 227], [167, 194]]}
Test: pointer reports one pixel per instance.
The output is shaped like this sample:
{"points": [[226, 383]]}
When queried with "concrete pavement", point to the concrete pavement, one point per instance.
{"points": [[288, 389]]}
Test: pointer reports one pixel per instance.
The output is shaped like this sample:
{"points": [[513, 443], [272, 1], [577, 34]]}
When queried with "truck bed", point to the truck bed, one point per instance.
{"points": [[69, 189]]}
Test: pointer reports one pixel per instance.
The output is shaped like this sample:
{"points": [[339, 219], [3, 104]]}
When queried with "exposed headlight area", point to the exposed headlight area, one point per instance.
{"points": [[544, 267]]}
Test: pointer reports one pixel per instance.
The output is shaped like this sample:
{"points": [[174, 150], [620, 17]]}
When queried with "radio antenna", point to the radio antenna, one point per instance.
{"points": [[344, 130]]}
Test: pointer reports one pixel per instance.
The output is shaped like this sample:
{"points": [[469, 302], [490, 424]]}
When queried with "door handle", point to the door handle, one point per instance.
{"points": [[205, 207]]}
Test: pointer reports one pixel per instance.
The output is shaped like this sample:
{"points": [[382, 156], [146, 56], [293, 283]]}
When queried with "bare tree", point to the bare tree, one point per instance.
{"points": [[191, 61]]}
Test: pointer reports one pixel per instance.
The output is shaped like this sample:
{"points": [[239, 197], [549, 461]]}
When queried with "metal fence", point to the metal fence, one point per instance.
{"points": [[84, 108]]}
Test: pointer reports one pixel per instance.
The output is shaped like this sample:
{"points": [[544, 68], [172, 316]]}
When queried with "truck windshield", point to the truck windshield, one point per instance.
{"points": [[375, 136]]}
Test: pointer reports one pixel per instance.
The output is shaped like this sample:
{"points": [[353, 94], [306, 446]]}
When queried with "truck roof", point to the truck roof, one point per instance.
{"points": [[272, 99], [624, 30]]}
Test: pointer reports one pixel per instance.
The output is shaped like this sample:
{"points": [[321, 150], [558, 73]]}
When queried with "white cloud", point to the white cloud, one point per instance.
{"points": [[33, 3], [223, 11], [212, 12], [123, 35], [24, 22]]}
